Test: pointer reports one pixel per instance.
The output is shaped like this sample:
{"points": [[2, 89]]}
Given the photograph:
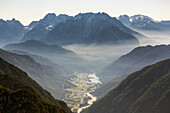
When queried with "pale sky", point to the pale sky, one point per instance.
{"points": [[31, 10]]}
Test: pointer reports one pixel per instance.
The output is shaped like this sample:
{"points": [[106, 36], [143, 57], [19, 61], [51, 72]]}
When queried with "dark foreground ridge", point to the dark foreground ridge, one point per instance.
{"points": [[20, 94], [144, 91]]}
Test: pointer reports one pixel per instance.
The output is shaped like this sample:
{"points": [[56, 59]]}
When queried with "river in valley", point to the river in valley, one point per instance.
{"points": [[90, 102], [79, 97]]}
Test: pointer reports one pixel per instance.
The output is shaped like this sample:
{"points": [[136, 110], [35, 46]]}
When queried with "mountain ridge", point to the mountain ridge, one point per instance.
{"points": [[15, 79], [144, 91]]}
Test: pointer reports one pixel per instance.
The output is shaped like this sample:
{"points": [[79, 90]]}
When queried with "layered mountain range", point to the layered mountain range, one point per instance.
{"points": [[87, 28], [54, 52], [39, 49], [49, 76]]}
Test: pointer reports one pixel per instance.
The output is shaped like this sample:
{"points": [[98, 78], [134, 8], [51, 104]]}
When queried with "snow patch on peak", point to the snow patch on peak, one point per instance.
{"points": [[141, 18]]}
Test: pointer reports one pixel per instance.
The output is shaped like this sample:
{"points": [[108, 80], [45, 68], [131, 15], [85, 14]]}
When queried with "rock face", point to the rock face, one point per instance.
{"points": [[39, 29], [91, 28], [11, 31], [144, 91], [49, 21], [36, 33], [19, 93], [142, 22]]}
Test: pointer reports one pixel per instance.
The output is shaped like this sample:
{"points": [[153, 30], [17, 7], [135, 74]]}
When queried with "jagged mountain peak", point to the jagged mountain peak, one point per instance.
{"points": [[50, 20], [143, 22], [13, 22], [140, 17], [94, 15], [1, 21]]}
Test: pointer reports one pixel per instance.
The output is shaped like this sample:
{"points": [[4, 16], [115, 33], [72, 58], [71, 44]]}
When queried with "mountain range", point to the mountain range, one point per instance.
{"points": [[144, 91], [64, 29], [142, 22], [86, 28], [91, 28], [34, 55], [54, 52], [19, 93], [36, 47]]}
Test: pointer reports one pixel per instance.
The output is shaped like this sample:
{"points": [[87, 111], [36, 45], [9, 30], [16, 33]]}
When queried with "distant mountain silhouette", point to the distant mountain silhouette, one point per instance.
{"points": [[54, 52], [144, 91], [142, 22], [82, 29], [38, 47]]}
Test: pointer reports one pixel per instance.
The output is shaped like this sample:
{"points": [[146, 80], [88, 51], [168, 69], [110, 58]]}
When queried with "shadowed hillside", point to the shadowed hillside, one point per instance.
{"points": [[20, 93], [50, 78], [144, 91]]}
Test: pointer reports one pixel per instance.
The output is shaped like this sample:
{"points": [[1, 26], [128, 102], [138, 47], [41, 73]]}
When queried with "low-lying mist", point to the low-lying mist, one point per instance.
{"points": [[155, 38], [100, 55]]}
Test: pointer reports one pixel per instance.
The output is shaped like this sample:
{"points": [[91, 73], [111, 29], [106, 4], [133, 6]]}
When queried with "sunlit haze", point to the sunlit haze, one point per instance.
{"points": [[31, 10]]}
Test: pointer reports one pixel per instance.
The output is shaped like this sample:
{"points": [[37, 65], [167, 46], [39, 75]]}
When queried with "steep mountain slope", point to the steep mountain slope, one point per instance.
{"points": [[51, 78], [85, 28], [143, 22], [11, 31], [1, 21], [144, 91], [135, 60], [36, 33], [25, 100], [20, 93], [39, 29]]}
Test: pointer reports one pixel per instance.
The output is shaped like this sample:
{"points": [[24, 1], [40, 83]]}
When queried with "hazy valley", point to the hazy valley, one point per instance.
{"points": [[87, 63]]}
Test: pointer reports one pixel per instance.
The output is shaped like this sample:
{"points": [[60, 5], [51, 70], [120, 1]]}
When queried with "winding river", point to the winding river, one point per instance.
{"points": [[93, 78], [85, 84], [90, 102]]}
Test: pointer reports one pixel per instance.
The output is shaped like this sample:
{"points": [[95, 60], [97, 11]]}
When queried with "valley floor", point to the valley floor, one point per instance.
{"points": [[79, 97]]}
